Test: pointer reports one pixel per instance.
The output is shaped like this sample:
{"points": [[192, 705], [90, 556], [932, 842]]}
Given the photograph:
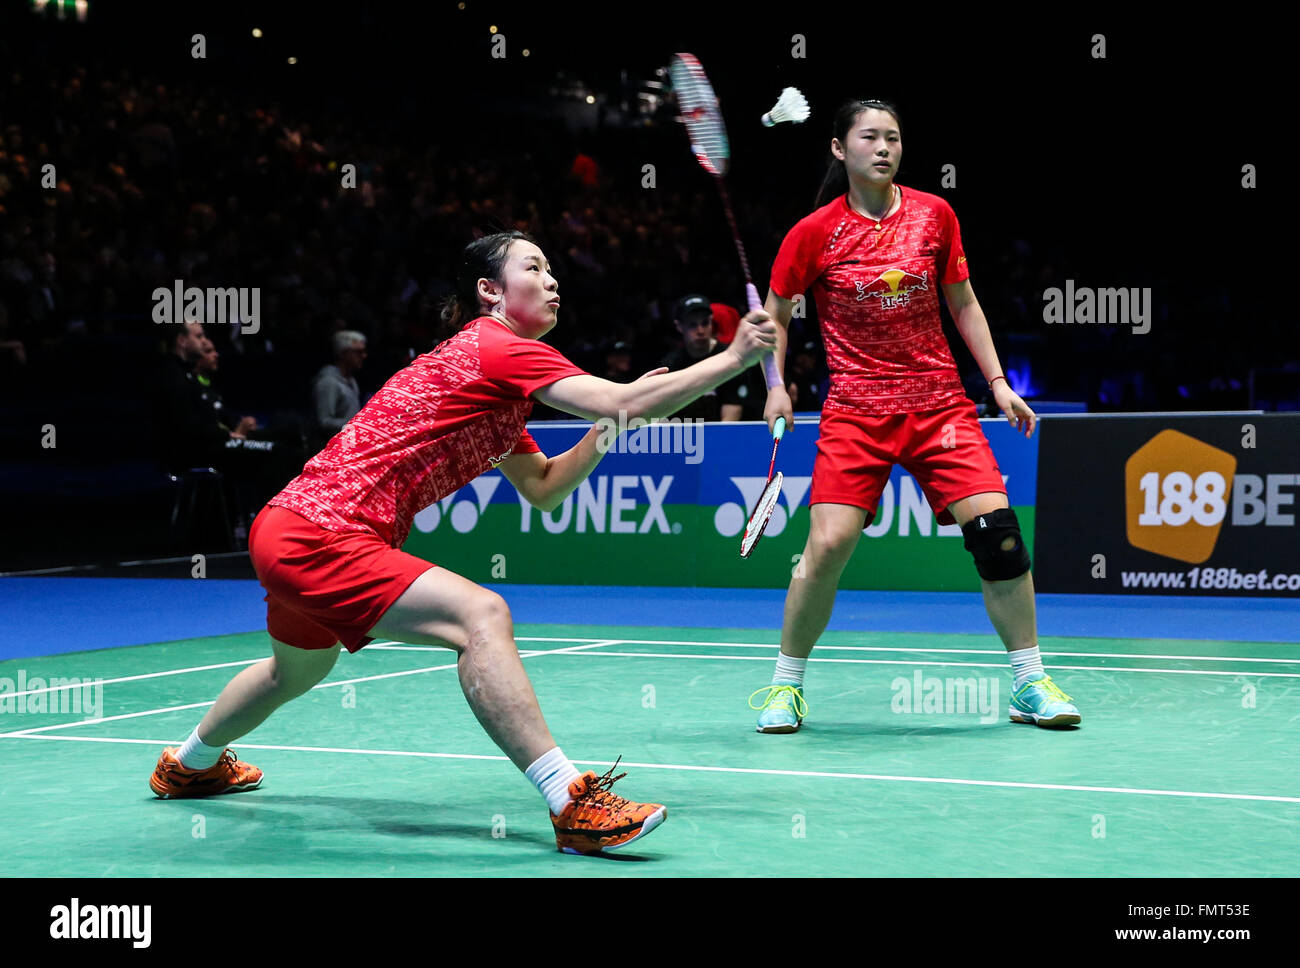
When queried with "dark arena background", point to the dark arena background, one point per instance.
{"points": [[1123, 207]]}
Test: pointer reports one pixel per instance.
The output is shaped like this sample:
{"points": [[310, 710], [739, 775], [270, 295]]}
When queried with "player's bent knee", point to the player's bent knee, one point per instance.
{"points": [[298, 671], [995, 542], [488, 613]]}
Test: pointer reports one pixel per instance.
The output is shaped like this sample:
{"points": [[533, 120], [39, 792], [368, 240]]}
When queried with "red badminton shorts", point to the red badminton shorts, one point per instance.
{"points": [[945, 450], [322, 586]]}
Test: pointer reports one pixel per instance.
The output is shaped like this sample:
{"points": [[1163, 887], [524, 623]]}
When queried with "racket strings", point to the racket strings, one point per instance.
{"points": [[699, 112], [762, 513]]}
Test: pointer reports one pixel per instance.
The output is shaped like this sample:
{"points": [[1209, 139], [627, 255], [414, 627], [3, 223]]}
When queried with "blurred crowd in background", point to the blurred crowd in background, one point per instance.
{"points": [[156, 181]]}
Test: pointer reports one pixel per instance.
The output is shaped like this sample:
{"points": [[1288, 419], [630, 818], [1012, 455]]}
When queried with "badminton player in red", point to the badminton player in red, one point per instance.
{"points": [[875, 255], [326, 548]]}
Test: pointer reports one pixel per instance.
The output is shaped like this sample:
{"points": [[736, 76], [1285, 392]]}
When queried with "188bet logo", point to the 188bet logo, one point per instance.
{"points": [[1179, 491], [1175, 496]]}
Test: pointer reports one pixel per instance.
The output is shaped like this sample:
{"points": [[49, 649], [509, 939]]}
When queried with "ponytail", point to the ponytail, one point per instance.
{"points": [[482, 259]]}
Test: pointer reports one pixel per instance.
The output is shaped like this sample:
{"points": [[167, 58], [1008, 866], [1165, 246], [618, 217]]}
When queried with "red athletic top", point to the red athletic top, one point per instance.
{"points": [[877, 295], [439, 423]]}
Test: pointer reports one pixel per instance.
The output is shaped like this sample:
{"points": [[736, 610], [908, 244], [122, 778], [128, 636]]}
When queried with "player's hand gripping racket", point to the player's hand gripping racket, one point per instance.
{"points": [[708, 134], [767, 500]]}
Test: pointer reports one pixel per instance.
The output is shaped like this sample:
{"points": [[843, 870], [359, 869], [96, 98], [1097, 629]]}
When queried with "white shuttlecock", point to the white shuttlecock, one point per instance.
{"points": [[790, 106]]}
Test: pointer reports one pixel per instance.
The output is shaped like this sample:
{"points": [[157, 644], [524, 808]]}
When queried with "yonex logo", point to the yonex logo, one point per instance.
{"points": [[464, 513], [609, 504], [729, 519]]}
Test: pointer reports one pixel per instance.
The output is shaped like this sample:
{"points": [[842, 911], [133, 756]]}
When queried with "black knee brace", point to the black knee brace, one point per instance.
{"points": [[985, 535]]}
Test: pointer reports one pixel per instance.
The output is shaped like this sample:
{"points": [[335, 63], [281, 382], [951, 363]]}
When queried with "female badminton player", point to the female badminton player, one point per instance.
{"points": [[875, 254], [326, 547]]}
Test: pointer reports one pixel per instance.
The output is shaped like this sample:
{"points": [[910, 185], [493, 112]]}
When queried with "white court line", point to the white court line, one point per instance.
{"points": [[104, 719], [391, 645], [752, 771], [597, 643], [967, 665], [880, 648], [385, 644], [323, 685], [147, 675]]}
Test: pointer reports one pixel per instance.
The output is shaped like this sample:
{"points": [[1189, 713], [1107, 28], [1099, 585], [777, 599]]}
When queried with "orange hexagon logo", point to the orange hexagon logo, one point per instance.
{"points": [[1176, 491]]}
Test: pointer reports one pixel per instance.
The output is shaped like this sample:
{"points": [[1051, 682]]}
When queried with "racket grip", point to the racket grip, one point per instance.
{"points": [[778, 428], [770, 374]]}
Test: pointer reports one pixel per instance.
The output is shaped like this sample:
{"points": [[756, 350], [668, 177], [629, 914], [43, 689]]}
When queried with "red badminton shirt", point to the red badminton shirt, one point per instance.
{"points": [[877, 295], [440, 422]]}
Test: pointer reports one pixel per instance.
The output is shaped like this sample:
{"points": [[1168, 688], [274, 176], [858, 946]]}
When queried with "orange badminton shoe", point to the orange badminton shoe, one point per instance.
{"points": [[597, 820], [170, 780]]}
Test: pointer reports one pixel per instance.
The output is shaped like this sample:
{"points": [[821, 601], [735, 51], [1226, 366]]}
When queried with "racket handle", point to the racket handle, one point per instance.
{"points": [[778, 428], [770, 374]]}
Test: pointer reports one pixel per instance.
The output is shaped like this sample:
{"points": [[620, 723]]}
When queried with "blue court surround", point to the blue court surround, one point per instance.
{"points": [[45, 616]]}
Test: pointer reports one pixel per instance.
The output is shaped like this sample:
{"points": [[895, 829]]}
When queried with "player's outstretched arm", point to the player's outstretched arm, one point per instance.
{"points": [[658, 395], [544, 482]]}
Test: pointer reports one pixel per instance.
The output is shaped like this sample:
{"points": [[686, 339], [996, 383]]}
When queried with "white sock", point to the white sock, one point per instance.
{"points": [[552, 773], [195, 754], [789, 670], [1027, 664]]}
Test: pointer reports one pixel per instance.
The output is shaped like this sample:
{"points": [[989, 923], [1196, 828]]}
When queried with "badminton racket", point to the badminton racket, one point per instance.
{"points": [[708, 134], [766, 503]]}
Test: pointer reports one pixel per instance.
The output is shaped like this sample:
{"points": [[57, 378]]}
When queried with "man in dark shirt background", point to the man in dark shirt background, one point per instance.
{"points": [[198, 430], [740, 398], [192, 434], [204, 371]]}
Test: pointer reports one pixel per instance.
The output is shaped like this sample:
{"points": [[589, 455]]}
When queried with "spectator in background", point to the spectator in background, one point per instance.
{"points": [[618, 362], [336, 397], [13, 354], [204, 370], [740, 398], [192, 433], [196, 430]]}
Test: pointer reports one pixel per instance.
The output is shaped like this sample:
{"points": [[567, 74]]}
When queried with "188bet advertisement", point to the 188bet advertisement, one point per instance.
{"points": [[1169, 505]]}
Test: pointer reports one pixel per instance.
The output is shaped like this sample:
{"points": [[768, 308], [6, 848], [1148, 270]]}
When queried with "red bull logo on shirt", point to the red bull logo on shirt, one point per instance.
{"points": [[893, 287]]}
